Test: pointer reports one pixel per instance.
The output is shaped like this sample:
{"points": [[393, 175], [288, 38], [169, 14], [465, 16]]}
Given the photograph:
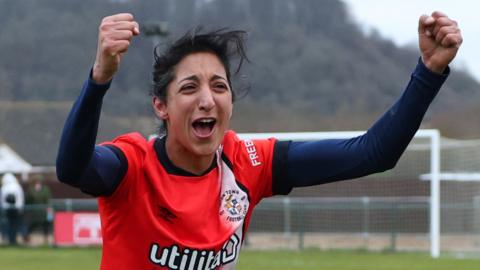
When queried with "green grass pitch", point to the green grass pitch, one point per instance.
{"points": [[89, 258]]}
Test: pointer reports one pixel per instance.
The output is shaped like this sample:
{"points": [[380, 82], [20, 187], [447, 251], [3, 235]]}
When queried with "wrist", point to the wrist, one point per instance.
{"points": [[97, 87], [99, 76], [434, 67]]}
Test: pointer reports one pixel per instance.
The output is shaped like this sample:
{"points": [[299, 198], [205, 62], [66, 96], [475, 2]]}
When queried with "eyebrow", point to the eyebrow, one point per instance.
{"points": [[192, 78], [196, 79], [216, 77]]}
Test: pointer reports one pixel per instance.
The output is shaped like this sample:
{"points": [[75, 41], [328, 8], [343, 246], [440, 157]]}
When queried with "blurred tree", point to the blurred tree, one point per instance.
{"points": [[311, 67]]}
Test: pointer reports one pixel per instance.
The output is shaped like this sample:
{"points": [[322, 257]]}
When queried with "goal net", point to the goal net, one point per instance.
{"points": [[429, 202]]}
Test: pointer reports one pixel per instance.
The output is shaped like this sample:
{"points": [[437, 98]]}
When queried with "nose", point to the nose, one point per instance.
{"points": [[206, 100]]}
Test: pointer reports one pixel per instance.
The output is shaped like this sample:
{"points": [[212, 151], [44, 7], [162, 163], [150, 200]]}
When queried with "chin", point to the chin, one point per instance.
{"points": [[206, 149]]}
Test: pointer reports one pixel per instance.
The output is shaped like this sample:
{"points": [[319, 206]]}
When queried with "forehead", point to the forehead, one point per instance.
{"points": [[203, 64]]}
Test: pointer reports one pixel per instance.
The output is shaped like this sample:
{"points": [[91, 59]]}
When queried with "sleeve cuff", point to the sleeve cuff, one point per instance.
{"points": [[97, 86], [95, 89], [430, 78]]}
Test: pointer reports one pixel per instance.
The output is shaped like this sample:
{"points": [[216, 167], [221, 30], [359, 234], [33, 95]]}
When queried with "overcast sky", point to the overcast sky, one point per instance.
{"points": [[398, 20]]}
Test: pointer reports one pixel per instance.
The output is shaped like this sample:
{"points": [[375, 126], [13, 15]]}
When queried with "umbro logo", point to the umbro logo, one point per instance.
{"points": [[166, 214]]}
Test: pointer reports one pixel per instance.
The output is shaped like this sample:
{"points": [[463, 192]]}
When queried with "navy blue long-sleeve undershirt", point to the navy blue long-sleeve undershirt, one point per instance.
{"points": [[98, 170]]}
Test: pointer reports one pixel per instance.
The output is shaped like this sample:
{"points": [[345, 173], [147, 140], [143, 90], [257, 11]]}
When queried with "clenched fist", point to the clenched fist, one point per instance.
{"points": [[439, 40], [114, 36]]}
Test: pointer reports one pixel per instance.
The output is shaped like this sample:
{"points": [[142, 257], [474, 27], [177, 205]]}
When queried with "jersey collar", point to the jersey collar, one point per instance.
{"points": [[162, 156]]}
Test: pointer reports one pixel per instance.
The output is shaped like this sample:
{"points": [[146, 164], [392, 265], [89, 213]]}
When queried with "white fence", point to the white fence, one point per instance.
{"points": [[429, 202]]}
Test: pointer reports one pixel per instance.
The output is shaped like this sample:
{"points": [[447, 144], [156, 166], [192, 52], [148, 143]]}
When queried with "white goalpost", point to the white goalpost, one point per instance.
{"points": [[426, 140]]}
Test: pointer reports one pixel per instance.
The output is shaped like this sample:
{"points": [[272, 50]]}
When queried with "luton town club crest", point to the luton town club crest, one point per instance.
{"points": [[234, 205]]}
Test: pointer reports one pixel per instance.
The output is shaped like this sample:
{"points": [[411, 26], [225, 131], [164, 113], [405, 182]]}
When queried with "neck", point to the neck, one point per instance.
{"points": [[186, 160]]}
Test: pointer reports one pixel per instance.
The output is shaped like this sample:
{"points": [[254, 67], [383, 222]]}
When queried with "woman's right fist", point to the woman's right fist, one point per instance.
{"points": [[114, 36]]}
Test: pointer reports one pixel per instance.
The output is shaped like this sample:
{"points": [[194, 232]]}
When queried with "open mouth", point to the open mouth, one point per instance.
{"points": [[203, 127]]}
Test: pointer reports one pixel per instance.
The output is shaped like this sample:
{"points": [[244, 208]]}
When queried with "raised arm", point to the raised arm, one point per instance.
{"points": [[379, 149], [96, 170]]}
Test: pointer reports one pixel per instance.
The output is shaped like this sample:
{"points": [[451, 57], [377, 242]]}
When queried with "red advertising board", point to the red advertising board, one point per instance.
{"points": [[71, 229]]}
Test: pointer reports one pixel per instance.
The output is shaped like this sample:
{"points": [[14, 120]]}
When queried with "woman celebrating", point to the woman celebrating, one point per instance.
{"points": [[184, 200]]}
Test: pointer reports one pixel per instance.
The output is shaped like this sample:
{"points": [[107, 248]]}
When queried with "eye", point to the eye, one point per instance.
{"points": [[190, 87], [220, 86]]}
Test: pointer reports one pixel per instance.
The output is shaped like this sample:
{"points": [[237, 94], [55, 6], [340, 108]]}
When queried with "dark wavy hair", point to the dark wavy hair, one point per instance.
{"points": [[225, 44]]}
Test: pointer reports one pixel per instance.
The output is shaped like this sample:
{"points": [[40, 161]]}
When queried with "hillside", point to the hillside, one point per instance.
{"points": [[311, 69]]}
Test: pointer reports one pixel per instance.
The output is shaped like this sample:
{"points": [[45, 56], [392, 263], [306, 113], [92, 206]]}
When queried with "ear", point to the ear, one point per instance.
{"points": [[160, 108]]}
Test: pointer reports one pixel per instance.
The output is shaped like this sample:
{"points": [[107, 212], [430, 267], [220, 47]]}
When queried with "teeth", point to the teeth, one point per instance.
{"points": [[206, 121]]}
